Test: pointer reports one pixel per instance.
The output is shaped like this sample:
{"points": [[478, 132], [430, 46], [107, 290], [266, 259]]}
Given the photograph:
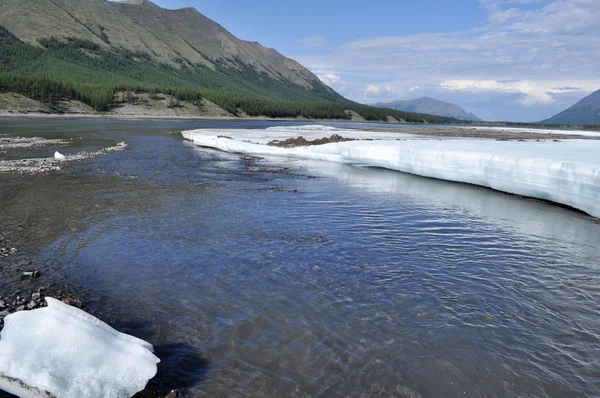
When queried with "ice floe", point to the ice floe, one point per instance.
{"points": [[566, 172], [64, 352]]}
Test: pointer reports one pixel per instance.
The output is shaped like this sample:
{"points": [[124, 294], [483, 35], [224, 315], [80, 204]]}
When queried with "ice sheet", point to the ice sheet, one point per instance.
{"points": [[566, 172], [311, 132], [68, 353]]}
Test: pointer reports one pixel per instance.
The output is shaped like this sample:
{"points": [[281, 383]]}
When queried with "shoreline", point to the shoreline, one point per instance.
{"points": [[75, 116], [28, 283]]}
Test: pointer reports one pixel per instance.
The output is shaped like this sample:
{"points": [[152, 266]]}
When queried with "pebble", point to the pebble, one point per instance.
{"points": [[30, 274], [20, 308]]}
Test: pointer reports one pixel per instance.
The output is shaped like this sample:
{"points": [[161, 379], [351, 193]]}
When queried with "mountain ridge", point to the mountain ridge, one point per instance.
{"points": [[168, 36], [430, 106], [585, 111], [111, 56]]}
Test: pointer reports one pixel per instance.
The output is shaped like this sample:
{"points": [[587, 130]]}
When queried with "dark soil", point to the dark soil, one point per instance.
{"points": [[301, 141]]}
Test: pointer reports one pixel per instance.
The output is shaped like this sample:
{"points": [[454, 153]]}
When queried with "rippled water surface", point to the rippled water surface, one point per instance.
{"points": [[276, 277]]}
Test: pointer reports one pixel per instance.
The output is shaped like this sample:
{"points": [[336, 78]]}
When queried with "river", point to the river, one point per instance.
{"points": [[280, 277]]}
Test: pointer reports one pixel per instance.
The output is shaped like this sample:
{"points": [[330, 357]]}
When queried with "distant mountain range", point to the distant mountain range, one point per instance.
{"points": [[430, 106], [586, 111]]}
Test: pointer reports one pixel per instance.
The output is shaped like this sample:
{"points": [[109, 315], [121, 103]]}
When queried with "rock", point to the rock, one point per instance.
{"points": [[4, 314], [31, 305], [2, 305], [145, 393], [20, 308], [173, 394], [73, 302], [30, 274], [14, 250], [36, 296]]}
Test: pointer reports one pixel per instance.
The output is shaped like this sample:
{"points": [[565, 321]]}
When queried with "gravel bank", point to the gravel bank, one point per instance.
{"points": [[460, 132]]}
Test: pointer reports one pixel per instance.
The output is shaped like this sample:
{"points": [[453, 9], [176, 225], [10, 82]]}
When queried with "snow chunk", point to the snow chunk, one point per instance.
{"points": [[563, 172], [64, 352], [59, 156]]}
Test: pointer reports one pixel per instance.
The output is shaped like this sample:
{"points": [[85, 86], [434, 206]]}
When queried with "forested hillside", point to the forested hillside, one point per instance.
{"points": [[76, 69], [93, 51]]}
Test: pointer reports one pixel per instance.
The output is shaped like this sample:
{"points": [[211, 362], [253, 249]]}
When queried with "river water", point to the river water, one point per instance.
{"points": [[277, 277]]}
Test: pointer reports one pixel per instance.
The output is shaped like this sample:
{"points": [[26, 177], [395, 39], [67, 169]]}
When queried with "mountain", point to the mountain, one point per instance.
{"points": [[117, 56], [586, 111], [430, 106], [177, 38]]}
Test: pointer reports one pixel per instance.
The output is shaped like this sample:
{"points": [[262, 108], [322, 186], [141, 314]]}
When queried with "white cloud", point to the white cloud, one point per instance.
{"points": [[534, 92], [375, 91], [313, 41], [521, 52], [330, 78]]}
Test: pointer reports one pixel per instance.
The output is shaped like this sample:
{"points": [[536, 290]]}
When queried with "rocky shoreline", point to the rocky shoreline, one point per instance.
{"points": [[25, 282], [25, 285]]}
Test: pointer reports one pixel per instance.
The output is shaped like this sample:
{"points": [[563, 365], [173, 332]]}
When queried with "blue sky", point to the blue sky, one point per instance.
{"points": [[521, 60]]}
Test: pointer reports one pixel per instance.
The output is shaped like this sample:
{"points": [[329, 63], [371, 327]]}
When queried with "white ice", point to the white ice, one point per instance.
{"points": [[59, 156], [566, 172], [263, 136], [68, 353]]}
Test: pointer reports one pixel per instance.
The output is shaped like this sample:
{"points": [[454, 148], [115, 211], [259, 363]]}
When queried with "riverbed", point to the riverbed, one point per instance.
{"points": [[282, 277]]}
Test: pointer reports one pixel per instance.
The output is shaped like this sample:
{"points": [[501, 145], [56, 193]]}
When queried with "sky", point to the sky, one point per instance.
{"points": [[517, 60]]}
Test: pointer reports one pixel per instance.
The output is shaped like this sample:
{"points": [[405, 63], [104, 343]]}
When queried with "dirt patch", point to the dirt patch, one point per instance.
{"points": [[163, 105], [17, 103], [355, 117], [301, 141]]}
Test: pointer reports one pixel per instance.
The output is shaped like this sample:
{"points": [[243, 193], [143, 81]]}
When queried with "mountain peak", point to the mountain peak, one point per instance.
{"points": [[430, 106], [586, 111]]}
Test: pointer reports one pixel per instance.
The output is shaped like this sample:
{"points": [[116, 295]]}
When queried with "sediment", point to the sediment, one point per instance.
{"points": [[301, 141]]}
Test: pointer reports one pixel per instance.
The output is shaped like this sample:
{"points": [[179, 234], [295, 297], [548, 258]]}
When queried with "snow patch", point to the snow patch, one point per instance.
{"points": [[563, 172], [59, 156], [64, 352]]}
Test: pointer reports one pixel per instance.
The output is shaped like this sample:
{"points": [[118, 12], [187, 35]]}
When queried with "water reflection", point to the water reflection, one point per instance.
{"points": [[532, 218]]}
